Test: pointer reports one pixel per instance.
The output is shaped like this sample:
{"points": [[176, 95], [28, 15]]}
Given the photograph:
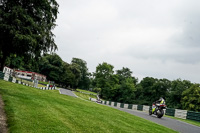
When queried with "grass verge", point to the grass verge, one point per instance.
{"points": [[30, 83], [33, 110], [84, 96], [87, 91]]}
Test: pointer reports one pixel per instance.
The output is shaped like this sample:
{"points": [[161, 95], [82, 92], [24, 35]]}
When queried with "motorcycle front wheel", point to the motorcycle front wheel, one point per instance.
{"points": [[160, 113], [150, 112]]}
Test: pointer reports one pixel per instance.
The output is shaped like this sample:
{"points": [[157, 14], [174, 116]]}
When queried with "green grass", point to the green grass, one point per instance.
{"points": [[31, 110], [196, 123], [84, 96], [87, 91], [43, 82], [29, 82]]}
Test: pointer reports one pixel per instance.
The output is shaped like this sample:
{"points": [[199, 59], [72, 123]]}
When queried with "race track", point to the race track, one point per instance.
{"points": [[67, 92], [165, 121]]}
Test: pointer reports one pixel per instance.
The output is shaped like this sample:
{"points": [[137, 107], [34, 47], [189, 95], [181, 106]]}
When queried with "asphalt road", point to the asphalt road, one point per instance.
{"points": [[67, 92], [165, 121]]}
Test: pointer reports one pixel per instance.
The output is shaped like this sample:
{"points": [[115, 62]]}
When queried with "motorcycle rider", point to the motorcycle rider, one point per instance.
{"points": [[160, 101]]}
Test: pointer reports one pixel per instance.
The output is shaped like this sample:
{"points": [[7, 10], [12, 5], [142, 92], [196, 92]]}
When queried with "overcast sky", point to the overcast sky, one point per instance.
{"points": [[154, 38]]}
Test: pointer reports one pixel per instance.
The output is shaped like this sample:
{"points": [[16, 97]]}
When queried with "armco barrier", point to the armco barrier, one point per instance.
{"points": [[170, 111], [130, 106], [183, 114], [145, 108], [107, 102], [10, 79], [140, 107], [135, 107], [126, 106], [193, 115], [118, 105], [122, 105], [14, 80], [6, 77], [180, 113]]}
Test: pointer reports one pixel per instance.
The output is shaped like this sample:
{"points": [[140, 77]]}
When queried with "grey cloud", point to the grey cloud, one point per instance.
{"points": [[152, 38]]}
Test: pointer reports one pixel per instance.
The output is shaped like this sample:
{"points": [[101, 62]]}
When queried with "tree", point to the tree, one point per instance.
{"points": [[175, 92], [151, 89], [67, 78], [125, 92], [84, 81], [52, 67], [105, 79], [75, 69], [25, 28], [124, 73], [191, 98], [146, 95], [17, 62]]}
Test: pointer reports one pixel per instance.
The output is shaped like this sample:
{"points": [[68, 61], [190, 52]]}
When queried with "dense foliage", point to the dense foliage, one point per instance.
{"points": [[25, 28], [119, 85]]}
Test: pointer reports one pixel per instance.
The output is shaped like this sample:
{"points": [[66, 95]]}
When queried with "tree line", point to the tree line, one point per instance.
{"points": [[119, 85]]}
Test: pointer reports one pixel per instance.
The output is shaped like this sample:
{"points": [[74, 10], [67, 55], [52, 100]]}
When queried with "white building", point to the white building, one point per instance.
{"points": [[7, 71], [24, 74]]}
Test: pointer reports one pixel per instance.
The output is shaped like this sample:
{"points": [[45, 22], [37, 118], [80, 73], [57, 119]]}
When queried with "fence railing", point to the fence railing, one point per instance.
{"points": [[14, 80], [178, 113]]}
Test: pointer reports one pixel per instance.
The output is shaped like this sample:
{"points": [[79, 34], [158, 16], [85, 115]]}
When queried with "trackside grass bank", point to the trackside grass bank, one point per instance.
{"points": [[89, 92], [84, 96], [30, 110]]}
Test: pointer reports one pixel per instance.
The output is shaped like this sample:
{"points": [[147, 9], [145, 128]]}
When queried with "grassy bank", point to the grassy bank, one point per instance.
{"points": [[84, 96], [86, 91], [33, 110], [29, 82]]}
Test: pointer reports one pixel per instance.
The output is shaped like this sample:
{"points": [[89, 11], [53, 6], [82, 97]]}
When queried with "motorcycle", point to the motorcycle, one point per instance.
{"points": [[158, 110]]}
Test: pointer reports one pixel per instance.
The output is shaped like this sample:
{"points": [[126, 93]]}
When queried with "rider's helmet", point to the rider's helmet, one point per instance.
{"points": [[160, 99]]}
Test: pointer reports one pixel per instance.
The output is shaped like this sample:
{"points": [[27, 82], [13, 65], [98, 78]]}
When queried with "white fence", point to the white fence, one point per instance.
{"points": [[180, 113], [145, 108], [126, 106], [134, 107], [6, 78]]}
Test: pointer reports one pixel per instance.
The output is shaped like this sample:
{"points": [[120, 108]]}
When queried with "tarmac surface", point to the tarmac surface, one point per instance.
{"points": [[67, 92], [174, 124]]}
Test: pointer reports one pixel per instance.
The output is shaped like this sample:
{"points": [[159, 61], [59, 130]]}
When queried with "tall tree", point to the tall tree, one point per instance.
{"points": [[175, 93], [51, 66], [25, 28], [191, 98], [105, 79], [67, 78], [84, 81], [125, 91], [75, 69], [124, 73], [151, 89]]}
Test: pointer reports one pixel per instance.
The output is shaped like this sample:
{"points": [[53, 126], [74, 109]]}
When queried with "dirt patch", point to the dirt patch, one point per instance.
{"points": [[3, 125]]}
